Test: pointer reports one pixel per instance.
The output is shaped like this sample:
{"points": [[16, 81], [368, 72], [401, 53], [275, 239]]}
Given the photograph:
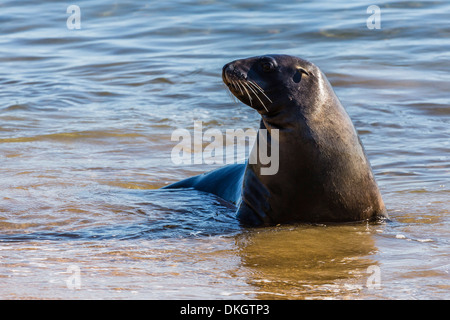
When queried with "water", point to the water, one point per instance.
{"points": [[86, 118]]}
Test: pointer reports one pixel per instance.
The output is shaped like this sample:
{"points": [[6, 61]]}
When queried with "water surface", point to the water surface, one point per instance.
{"points": [[86, 118]]}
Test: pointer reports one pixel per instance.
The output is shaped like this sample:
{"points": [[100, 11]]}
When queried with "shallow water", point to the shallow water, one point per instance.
{"points": [[86, 118]]}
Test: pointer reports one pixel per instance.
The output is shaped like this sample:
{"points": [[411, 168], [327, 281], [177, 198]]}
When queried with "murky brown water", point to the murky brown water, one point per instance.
{"points": [[86, 118]]}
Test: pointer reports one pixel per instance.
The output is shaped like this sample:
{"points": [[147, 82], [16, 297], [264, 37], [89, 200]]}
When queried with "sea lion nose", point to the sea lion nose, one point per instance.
{"points": [[228, 66], [233, 71], [227, 69]]}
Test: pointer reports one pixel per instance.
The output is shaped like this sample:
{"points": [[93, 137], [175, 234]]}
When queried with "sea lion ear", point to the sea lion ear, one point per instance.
{"points": [[298, 74]]}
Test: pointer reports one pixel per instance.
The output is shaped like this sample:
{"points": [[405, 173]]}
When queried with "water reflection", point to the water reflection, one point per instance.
{"points": [[308, 261]]}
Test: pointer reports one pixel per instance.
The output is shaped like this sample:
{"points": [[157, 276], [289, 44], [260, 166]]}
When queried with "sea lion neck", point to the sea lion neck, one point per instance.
{"points": [[285, 117], [277, 120]]}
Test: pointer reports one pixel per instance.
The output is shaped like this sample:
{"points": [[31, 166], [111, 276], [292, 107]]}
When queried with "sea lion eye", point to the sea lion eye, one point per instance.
{"points": [[267, 66]]}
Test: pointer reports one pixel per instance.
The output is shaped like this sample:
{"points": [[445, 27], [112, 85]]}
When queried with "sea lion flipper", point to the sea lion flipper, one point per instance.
{"points": [[225, 182]]}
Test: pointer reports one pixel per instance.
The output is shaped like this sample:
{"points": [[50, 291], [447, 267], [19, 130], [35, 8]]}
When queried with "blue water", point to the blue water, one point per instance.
{"points": [[86, 117]]}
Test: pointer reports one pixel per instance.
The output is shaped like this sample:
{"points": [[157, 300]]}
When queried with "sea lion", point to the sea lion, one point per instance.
{"points": [[323, 173]]}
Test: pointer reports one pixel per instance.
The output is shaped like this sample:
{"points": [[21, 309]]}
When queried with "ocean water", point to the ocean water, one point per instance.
{"points": [[86, 120]]}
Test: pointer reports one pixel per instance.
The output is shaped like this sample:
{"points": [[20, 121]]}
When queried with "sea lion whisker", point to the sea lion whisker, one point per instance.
{"points": [[234, 84], [256, 85], [248, 94], [253, 90], [239, 85], [256, 95], [233, 98], [260, 89]]}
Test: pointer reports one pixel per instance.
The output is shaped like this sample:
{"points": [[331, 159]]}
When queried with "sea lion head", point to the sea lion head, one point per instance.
{"points": [[269, 83]]}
